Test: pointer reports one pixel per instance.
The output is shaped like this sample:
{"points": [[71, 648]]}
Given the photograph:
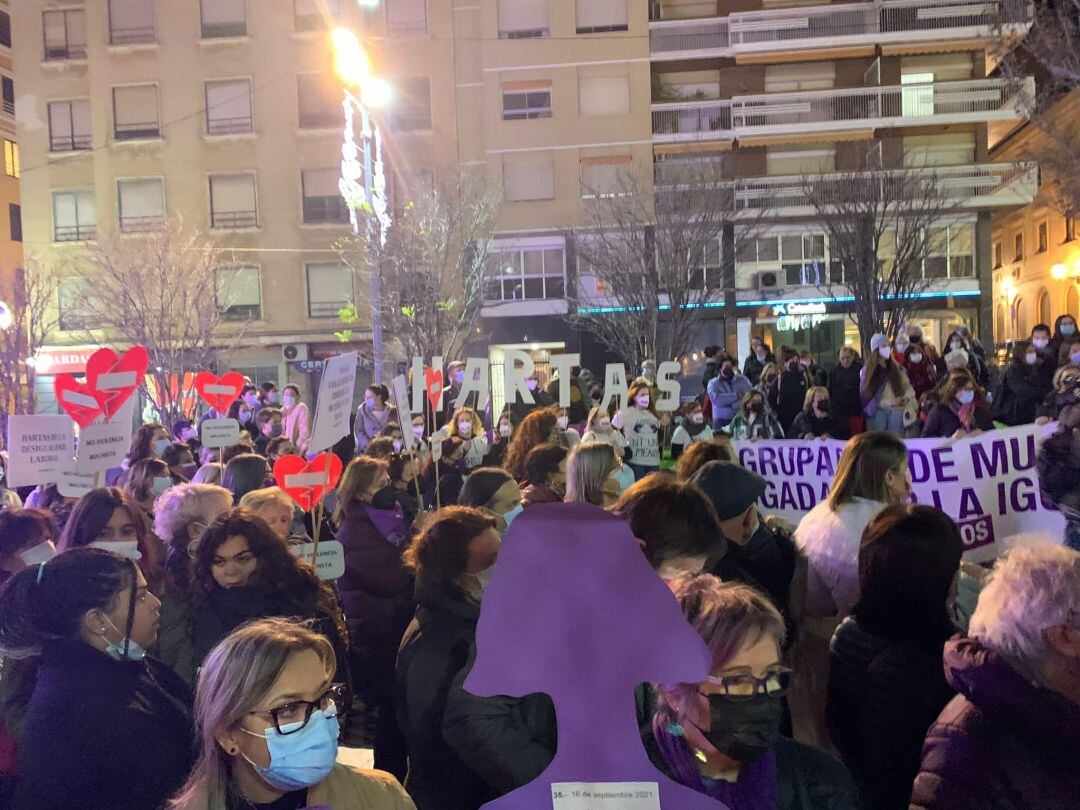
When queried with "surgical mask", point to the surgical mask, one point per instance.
{"points": [[36, 555], [955, 345], [418, 431], [508, 517], [804, 362], [916, 357], [761, 356], [288, 400], [245, 416], [465, 428], [1075, 357], [530, 384], [901, 346], [505, 431], [1030, 358], [125, 548], [642, 402], [275, 430], [965, 397], [369, 402], [159, 485], [484, 578], [885, 352], [187, 434], [1040, 343], [160, 446], [252, 400], [272, 397], [459, 377], [563, 421], [744, 729], [697, 418], [398, 444], [125, 649], [1068, 329], [303, 758], [604, 426]]}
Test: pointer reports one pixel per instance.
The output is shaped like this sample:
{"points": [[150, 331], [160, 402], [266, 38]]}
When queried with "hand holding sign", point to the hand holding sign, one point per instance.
{"points": [[114, 378], [219, 392], [307, 482]]}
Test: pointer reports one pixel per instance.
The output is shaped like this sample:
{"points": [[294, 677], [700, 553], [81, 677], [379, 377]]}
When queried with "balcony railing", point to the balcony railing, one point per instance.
{"points": [[138, 131], [9, 107], [235, 28], [74, 233], [61, 51], [323, 210], [978, 100], [132, 36], [228, 126], [69, 143], [983, 185], [234, 219], [810, 27], [142, 224]]}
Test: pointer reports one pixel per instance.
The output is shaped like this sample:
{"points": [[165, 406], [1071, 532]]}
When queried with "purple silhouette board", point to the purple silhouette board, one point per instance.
{"points": [[575, 610]]}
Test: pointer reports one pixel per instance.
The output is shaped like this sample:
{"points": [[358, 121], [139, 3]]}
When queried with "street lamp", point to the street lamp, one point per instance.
{"points": [[363, 181]]}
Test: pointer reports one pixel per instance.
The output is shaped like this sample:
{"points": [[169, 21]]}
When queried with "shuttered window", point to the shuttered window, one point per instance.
{"points": [[531, 178]]}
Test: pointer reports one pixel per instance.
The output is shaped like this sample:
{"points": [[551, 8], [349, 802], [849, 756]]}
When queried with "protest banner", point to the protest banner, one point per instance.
{"points": [[102, 446], [39, 449], [988, 483], [334, 406], [220, 432]]}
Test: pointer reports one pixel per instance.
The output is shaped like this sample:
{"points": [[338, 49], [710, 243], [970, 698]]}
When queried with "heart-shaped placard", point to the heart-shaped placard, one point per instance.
{"points": [[79, 401], [307, 482], [114, 379], [433, 384], [219, 392]]}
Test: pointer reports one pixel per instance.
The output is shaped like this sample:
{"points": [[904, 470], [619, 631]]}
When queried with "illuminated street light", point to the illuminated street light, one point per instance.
{"points": [[376, 92], [1059, 272], [350, 60]]}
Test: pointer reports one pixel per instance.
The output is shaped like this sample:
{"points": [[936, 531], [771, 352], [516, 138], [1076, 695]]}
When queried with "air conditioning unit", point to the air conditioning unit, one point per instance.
{"points": [[294, 352], [769, 280]]}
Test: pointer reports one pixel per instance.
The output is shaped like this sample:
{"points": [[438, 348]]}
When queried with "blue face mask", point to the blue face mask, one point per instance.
{"points": [[301, 759], [121, 651], [159, 485], [160, 445], [513, 513]]}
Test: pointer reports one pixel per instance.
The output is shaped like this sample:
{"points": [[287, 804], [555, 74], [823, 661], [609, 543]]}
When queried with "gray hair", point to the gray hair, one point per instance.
{"points": [[588, 466], [1029, 590], [180, 506]]}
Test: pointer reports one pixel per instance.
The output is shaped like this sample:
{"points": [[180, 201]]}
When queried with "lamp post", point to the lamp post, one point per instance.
{"points": [[363, 181]]}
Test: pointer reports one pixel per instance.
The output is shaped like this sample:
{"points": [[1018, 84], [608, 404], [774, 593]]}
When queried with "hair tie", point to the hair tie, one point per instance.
{"points": [[40, 572]]}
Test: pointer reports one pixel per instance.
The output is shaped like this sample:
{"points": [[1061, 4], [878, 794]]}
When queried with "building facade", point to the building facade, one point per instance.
{"points": [[11, 237]]}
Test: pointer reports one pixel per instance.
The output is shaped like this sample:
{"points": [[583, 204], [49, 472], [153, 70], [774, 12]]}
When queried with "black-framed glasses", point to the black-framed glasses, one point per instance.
{"points": [[776, 683], [300, 711]]}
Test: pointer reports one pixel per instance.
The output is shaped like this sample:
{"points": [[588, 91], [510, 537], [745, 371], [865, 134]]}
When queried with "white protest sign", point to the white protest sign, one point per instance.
{"points": [[102, 446], [436, 439], [668, 386], [331, 562], [399, 392], [39, 449], [220, 432], [561, 364], [605, 796], [988, 483], [474, 380], [74, 485], [334, 407], [515, 378], [614, 385]]}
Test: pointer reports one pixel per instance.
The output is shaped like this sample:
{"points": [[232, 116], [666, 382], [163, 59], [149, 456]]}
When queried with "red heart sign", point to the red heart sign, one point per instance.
{"points": [[114, 379], [433, 382], [306, 482], [219, 392], [79, 401]]}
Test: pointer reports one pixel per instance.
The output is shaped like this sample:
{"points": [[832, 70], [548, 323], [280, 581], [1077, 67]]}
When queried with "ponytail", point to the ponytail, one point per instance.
{"points": [[48, 601]]}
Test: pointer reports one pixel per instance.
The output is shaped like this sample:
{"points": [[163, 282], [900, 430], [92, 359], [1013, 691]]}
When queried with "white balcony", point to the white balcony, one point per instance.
{"points": [[833, 111], [789, 33]]}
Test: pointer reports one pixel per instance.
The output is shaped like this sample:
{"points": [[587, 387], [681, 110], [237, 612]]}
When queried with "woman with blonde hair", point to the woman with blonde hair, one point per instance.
{"points": [[467, 425], [755, 419], [274, 506], [591, 474], [815, 421], [266, 723], [598, 429]]}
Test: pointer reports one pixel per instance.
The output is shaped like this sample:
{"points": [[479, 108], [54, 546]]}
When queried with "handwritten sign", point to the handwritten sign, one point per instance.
{"points": [[103, 446], [40, 448], [334, 406], [74, 485], [220, 432], [331, 562]]}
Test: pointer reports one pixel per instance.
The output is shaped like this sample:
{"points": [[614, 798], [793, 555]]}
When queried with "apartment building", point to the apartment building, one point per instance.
{"points": [[11, 238], [226, 113], [1036, 255]]}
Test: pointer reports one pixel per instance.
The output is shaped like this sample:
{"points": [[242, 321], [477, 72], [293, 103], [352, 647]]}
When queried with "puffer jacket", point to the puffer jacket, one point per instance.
{"points": [[1002, 743]]}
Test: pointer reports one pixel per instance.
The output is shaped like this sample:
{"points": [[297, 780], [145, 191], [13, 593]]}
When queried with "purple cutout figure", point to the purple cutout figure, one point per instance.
{"points": [[575, 610]]}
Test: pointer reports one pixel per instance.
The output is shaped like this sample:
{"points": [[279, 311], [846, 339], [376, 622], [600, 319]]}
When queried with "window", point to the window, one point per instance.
{"points": [[135, 108], [604, 95], [411, 110], [69, 125], [142, 204], [1072, 301], [11, 159], [953, 149], [603, 176], [1044, 236], [999, 324], [406, 18], [802, 259], [800, 76], [319, 101], [65, 34], [523, 19], [74, 216], [1070, 228], [228, 107], [918, 98], [5, 28], [600, 16], [997, 255], [1043, 305], [239, 293], [71, 295], [522, 100], [784, 161], [759, 250], [1020, 318], [530, 274], [710, 274], [15, 221], [329, 288], [1018, 246], [131, 22], [224, 18], [322, 199], [962, 250], [529, 179], [308, 15], [7, 84], [232, 201]]}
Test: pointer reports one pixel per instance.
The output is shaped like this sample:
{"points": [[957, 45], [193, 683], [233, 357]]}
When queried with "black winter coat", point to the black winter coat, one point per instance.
{"points": [[943, 421], [883, 695], [844, 390], [1001, 744], [463, 750], [788, 396], [807, 422], [1021, 393], [103, 734]]}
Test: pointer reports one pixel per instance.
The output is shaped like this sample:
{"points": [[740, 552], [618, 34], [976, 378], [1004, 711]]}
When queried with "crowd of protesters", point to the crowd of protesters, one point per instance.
{"points": [[165, 643]]}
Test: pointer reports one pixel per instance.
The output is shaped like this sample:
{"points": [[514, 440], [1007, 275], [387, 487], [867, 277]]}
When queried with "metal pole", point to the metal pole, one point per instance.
{"points": [[374, 227]]}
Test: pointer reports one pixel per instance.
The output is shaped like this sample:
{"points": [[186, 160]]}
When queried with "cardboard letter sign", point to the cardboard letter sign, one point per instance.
{"points": [[40, 448], [220, 432], [334, 407]]}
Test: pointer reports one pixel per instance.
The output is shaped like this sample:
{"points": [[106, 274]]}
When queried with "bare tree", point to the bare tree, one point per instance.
{"points": [[29, 318], [653, 250], [430, 267], [882, 227], [166, 290]]}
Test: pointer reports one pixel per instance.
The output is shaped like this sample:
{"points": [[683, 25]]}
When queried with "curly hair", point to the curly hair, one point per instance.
{"points": [[440, 554], [536, 428]]}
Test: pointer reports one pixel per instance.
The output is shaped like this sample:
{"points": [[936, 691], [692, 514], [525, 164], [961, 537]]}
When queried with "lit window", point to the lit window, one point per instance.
{"points": [[11, 158]]}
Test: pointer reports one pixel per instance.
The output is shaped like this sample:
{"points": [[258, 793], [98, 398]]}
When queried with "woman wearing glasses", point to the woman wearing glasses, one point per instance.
{"points": [[722, 737], [266, 712]]}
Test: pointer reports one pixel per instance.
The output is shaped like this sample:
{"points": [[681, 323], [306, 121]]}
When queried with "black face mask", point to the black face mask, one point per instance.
{"points": [[756, 407], [823, 407], [384, 498], [916, 338], [744, 729], [728, 372]]}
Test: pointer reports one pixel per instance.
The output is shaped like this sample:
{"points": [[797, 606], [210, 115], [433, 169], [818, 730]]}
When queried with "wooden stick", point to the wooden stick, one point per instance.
{"points": [[321, 509]]}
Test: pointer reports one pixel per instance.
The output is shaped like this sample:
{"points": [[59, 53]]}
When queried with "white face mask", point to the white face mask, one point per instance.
{"points": [[916, 357], [418, 431], [125, 548], [1040, 343], [288, 400], [465, 428], [563, 421], [398, 444], [1075, 358], [965, 397], [642, 402], [36, 555], [1030, 358], [885, 352], [505, 430], [159, 485], [697, 418]]}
